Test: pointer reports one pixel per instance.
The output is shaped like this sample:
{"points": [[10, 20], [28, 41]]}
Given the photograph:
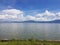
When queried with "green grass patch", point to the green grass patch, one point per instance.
{"points": [[28, 42]]}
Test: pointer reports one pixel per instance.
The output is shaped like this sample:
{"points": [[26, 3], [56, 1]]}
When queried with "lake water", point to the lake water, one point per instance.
{"points": [[45, 31]]}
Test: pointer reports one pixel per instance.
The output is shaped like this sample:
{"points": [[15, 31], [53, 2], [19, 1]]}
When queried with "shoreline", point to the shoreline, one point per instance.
{"points": [[25, 40], [29, 42]]}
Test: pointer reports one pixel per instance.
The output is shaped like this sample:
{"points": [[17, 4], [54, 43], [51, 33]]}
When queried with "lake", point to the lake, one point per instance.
{"points": [[44, 31]]}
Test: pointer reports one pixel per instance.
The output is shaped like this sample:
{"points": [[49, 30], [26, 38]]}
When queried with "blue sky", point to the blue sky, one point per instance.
{"points": [[31, 4], [31, 8]]}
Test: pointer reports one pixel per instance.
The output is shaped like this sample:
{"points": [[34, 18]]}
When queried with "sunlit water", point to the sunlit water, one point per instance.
{"points": [[45, 31]]}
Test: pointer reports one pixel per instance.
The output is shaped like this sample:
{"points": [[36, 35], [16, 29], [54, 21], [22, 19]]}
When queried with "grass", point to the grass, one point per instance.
{"points": [[28, 42]]}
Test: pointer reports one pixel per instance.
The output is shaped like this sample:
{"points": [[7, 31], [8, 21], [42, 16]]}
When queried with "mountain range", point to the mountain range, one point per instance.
{"points": [[29, 21]]}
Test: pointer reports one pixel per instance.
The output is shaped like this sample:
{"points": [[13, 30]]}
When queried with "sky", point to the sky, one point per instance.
{"points": [[38, 10]]}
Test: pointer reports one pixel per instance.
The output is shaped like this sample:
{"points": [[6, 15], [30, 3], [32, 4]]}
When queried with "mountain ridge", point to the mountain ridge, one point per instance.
{"points": [[30, 21]]}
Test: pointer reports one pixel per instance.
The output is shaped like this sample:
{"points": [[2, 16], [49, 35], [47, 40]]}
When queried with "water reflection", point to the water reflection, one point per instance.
{"points": [[30, 30]]}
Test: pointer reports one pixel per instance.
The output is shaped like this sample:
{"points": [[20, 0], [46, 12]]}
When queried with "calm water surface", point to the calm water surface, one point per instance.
{"points": [[30, 30]]}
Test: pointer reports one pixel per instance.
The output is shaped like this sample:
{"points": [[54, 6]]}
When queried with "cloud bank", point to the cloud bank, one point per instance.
{"points": [[18, 15]]}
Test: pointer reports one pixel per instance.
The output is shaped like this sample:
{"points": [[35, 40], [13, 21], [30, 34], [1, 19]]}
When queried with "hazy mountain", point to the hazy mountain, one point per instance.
{"points": [[29, 21]]}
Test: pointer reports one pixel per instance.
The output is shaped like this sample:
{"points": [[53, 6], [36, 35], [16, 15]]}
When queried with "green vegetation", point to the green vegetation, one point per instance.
{"points": [[28, 42]]}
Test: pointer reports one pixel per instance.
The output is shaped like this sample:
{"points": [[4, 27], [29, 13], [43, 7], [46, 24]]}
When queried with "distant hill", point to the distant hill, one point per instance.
{"points": [[30, 21], [55, 21]]}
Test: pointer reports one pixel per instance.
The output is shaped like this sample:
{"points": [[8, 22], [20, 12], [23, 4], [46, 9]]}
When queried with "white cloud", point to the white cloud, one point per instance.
{"points": [[29, 17], [2, 17], [11, 14], [18, 15], [46, 16], [58, 15], [47, 13], [12, 11]]}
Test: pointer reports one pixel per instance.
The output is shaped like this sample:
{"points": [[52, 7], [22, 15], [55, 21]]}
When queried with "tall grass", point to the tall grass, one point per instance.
{"points": [[28, 42]]}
